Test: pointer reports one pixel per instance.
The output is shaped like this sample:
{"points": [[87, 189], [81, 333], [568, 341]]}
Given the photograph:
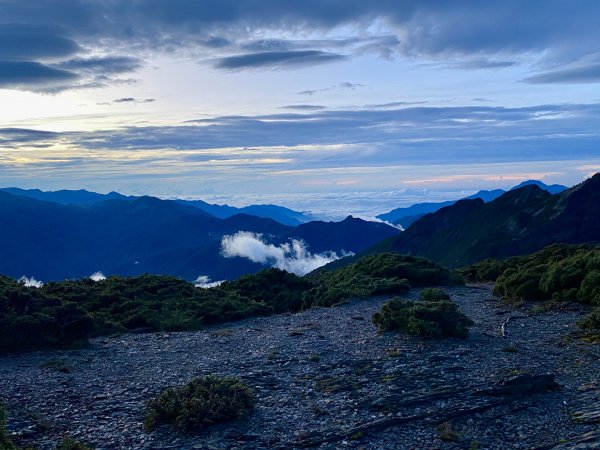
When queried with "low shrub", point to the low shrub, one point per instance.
{"points": [[591, 322], [200, 403], [562, 273], [424, 319], [434, 295]]}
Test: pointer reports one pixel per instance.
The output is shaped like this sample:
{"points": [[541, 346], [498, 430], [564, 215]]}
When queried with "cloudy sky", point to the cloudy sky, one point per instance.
{"points": [[349, 104]]}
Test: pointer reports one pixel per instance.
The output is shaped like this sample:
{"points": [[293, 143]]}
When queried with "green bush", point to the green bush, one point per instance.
{"points": [[381, 274], [62, 314], [424, 319], [434, 295], [200, 403], [558, 272], [592, 321]]}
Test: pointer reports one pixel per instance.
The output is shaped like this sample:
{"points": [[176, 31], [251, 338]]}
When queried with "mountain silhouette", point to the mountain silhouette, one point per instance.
{"points": [[522, 220]]}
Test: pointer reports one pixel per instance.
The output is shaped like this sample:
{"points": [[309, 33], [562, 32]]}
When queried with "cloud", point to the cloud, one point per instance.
{"points": [[583, 74], [97, 276], [133, 100], [24, 135], [292, 257], [348, 85], [483, 63], [305, 107], [392, 105], [311, 152], [72, 74], [413, 28], [104, 65], [204, 282], [30, 282], [22, 42], [377, 219], [277, 59], [33, 76], [339, 86]]}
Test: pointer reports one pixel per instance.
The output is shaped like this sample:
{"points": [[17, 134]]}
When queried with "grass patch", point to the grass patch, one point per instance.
{"points": [[200, 403]]}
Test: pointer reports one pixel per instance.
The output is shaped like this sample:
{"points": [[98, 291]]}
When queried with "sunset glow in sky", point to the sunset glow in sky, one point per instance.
{"points": [[299, 103]]}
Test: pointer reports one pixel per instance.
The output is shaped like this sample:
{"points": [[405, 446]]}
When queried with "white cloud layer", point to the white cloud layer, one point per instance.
{"points": [[292, 257], [30, 282], [204, 282], [97, 276]]}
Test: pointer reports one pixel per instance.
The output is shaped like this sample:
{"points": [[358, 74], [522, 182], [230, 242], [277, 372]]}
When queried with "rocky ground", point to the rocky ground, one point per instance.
{"points": [[324, 378]]}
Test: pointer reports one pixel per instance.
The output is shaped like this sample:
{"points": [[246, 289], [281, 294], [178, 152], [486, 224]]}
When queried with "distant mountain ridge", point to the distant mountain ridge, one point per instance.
{"points": [[65, 196], [130, 236], [281, 214], [522, 220], [406, 216], [553, 188]]}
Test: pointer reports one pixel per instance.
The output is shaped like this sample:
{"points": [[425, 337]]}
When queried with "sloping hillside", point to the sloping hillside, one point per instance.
{"points": [[520, 221]]}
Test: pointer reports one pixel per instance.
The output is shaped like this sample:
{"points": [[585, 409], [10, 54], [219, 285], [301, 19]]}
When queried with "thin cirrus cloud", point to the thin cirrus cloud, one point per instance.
{"points": [[133, 100], [346, 85], [105, 65], [304, 107], [583, 74], [277, 59]]}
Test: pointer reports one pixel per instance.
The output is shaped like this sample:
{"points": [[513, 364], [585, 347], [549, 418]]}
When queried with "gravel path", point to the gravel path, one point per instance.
{"points": [[323, 378]]}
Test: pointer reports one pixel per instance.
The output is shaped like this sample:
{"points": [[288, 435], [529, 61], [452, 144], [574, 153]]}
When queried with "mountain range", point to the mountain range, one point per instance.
{"points": [[522, 220], [406, 216], [281, 214], [72, 234], [129, 236]]}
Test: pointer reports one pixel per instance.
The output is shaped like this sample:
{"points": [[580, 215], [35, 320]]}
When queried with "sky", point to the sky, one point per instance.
{"points": [[346, 106]]}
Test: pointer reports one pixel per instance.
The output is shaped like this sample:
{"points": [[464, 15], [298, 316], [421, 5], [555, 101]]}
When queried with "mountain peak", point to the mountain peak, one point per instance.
{"points": [[553, 188]]}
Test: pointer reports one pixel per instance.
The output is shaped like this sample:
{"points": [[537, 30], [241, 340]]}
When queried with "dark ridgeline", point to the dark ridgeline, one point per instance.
{"points": [[407, 216], [520, 221]]}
